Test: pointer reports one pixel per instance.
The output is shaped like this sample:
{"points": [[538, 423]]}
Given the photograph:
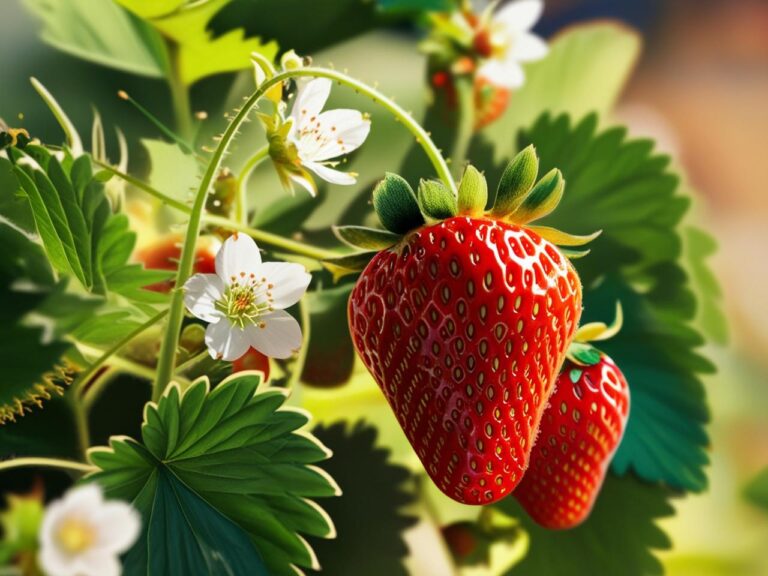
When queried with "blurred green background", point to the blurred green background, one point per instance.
{"points": [[700, 89]]}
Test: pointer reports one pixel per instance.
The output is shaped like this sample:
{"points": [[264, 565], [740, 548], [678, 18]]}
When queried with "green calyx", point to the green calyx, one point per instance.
{"points": [[581, 351]]}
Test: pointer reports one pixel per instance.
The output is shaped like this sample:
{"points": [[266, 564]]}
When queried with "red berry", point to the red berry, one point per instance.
{"points": [[165, 253], [464, 325], [579, 434], [252, 360], [491, 101]]}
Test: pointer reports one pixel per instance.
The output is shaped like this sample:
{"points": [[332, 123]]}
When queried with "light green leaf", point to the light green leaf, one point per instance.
{"points": [[625, 189], [585, 71], [173, 171], [152, 8], [103, 33], [619, 537], [199, 53], [236, 465], [366, 238]]}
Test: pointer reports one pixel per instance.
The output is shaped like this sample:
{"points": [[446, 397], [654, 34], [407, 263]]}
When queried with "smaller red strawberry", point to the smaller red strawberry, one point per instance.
{"points": [[165, 253], [252, 360], [579, 434], [490, 102]]}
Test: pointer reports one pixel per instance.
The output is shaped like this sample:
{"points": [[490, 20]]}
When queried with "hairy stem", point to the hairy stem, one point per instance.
{"points": [[170, 343], [241, 207], [59, 463]]}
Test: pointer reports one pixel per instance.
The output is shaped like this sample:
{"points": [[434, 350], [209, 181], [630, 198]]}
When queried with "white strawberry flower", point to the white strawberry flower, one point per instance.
{"points": [[311, 139], [84, 535], [505, 41], [245, 301]]}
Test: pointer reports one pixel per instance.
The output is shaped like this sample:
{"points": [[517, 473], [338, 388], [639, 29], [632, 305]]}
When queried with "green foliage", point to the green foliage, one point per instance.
{"points": [[225, 471], [370, 483], [619, 537], [103, 33], [700, 246], [366, 238], [19, 524], [396, 205], [585, 71], [757, 490], [436, 201], [418, 5], [626, 190]]}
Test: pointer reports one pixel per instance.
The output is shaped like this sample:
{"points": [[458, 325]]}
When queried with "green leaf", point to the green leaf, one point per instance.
{"points": [[225, 471], [585, 71], [20, 523], [417, 5], [396, 205], [366, 238], [148, 9], [516, 182], [199, 53], [436, 201], [370, 484], [700, 246], [584, 353], [757, 490], [103, 33], [473, 191], [349, 264], [619, 537], [626, 190]]}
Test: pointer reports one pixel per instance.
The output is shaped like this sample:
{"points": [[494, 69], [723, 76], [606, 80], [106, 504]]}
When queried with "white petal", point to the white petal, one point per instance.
{"points": [[54, 563], [280, 337], [505, 73], [305, 182], [528, 47], [238, 257], [98, 562], [84, 499], [289, 282], [225, 341], [331, 175], [520, 15], [341, 132], [201, 292], [118, 526], [310, 100]]}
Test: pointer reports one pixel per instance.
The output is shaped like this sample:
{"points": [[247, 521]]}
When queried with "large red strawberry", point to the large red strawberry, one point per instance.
{"points": [[579, 434], [465, 320]]}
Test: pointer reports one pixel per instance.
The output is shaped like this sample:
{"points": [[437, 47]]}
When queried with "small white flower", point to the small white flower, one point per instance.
{"points": [[506, 41], [83, 535], [244, 302], [320, 138]]}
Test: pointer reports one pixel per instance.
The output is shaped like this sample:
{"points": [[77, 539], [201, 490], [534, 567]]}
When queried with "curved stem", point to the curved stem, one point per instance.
{"points": [[46, 463], [170, 343], [81, 423], [466, 123], [241, 207]]}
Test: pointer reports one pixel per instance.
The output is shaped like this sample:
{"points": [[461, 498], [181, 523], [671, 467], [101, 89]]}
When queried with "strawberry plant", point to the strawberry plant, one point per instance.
{"points": [[304, 330]]}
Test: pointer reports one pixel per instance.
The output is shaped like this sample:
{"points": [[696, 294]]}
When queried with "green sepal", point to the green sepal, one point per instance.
{"points": [[396, 205], [366, 238], [583, 354], [560, 238], [349, 264], [516, 182], [575, 374], [436, 201], [543, 199], [473, 191], [573, 254]]}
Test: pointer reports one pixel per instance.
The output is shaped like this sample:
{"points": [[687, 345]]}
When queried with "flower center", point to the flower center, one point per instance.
{"points": [[75, 535], [246, 299]]}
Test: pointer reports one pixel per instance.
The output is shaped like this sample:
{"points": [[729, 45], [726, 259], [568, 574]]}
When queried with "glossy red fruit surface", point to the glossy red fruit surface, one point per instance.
{"points": [[252, 360], [165, 253], [579, 434], [464, 325]]}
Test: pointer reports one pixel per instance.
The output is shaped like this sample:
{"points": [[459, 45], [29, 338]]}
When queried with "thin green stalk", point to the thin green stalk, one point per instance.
{"points": [[241, 207], [46, 463], [81, 423], [466, 124], [170, 342], [192, 362], [164, 198], [182, 109], [114, 349], [98, 384]]}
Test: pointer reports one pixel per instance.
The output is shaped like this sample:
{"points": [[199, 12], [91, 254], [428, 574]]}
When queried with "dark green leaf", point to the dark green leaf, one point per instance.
{"points": [[396, 205], [369, 514], [619, 537], [233, 463], [516, 182], [436, 201], [626, 190], [543, 199], [366, 238], [473, 191]]}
